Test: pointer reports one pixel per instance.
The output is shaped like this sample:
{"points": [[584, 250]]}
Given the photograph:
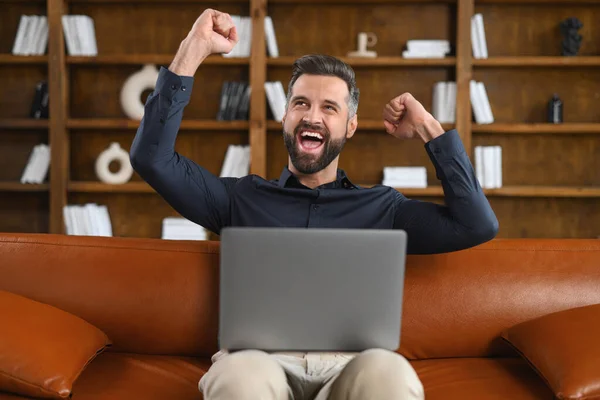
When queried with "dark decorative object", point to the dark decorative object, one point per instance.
{"points": [[571, 39], [555, 110]]}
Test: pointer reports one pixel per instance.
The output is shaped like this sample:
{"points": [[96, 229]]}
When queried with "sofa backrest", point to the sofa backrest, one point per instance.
{"points": [[161, 297]]}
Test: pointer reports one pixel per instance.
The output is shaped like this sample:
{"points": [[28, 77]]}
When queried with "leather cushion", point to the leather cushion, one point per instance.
{"points": [[120, 376], [480, 378], [43, 349], [564, 348]]}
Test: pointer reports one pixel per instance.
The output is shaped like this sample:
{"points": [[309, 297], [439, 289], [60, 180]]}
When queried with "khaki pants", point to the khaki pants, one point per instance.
{"points": [[255, 375]]}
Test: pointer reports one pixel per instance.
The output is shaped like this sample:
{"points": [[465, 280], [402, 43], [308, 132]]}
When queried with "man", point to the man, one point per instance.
{"points": [[311, 192]]}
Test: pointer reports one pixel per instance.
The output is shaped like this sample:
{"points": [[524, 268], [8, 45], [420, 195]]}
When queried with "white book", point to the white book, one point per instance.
{"points": [[105, 217], [43, 39], [69, 40], [226, 168], [18, 44], [475, 46], [476, 103], [271, 38], [452, 106], [489, 116], [92, 34], [481, 35], [272, 100], [74, 223], [76, 33], [281, 100], [27, 170], [38, 161], [67, 220], [38, 37], [488, 167], [498, 151], [438, 101], [448, 101], [428, 46], [30, 34], [408, 54], [90, 219], [244, 164], [479, 165], [79, 223], [248, 49], [81, 34], [43, 165], [243, 37]]}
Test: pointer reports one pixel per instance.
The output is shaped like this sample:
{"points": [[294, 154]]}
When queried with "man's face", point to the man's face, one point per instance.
{"points": [[316, 125]]}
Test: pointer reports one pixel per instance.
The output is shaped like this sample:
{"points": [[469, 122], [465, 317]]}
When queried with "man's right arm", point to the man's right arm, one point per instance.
{"points": [[190, 189]]}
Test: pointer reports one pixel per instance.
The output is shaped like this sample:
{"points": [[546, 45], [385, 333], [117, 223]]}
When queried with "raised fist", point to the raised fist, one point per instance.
{"points": [[216, 31], [405, 118]]}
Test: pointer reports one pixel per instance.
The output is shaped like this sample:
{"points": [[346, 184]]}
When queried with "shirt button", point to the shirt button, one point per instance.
{"points": [[183, 88], [316, 206], [174, 87]]}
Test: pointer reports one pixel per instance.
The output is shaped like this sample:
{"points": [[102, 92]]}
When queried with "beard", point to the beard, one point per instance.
{"points": [[307, 163]]}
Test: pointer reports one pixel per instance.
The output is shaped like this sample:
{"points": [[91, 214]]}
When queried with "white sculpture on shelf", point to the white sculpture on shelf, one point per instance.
{"points": [[131, 92], [365, 39], [114, 152]]}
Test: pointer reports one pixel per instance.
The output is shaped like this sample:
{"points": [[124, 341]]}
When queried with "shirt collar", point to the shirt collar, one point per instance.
{"points": [[341, 181]]}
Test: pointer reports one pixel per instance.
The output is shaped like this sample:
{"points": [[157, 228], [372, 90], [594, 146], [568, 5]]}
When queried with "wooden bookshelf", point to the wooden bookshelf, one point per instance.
{"points": [[551, 187]]}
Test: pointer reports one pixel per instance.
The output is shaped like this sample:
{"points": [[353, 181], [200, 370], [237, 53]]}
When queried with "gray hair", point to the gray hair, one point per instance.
{"points": [[319, 64]]}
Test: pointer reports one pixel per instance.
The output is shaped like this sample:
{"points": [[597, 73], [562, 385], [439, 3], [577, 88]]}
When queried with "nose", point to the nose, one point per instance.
{"points": [[313, 116]]}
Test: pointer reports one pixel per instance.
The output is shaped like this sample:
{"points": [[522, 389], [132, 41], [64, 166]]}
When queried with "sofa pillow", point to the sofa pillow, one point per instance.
{"points": [[42, 348], [564, 349]]}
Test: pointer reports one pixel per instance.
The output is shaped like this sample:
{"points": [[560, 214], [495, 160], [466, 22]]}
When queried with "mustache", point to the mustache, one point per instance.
{"points": [[311, 127]]}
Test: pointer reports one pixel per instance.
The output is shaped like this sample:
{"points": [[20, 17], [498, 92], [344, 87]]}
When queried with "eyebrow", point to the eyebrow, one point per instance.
{"points": [[295, 98]]}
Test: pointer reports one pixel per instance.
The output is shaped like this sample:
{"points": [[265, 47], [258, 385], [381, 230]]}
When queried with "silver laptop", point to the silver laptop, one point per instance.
{"points": [[317, 289]]}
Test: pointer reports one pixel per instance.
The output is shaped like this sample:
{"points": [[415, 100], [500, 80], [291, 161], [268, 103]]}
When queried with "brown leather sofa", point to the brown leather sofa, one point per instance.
{"points": [[158, 303]]}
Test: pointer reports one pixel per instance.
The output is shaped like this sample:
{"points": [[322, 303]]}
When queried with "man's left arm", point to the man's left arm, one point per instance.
{"points": [[467, 218]]}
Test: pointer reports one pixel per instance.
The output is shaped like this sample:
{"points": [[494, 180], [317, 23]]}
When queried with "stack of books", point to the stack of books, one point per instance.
{"points": [[38, 164], [235, 101], [244, 29], [80, 35], [405, 177], [237, 162], [276, 99], [478, 40], [480, 103], [444, 102], [89, 219], [174, 228], [32, 36], [488, 166], [426, 49]]}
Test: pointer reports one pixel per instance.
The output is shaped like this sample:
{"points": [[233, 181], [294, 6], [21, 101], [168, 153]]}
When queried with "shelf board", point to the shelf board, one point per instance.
{"points": [[11, 186], [510, 191], [100, 187], [11, 59], [88, 123], [542, 61], [564, 128], [363, 124], [160, 59], [23, 123], [287, 61]]}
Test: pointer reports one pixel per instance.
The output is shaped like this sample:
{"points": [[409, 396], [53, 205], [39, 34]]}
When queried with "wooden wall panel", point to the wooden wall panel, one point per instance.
{"points": [[95, 90], [534, 29], [333, 29], [521, 95], [18, 88], [561, 160], [146, 28], [380, 85], [547, 217], [24, 212], [204, 147]]}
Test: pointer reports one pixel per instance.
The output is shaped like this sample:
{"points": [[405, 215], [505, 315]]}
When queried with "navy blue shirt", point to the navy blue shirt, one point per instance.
{"points": [[464, 221]]}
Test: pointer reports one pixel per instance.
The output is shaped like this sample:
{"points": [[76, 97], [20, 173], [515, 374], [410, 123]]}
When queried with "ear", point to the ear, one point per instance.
{"points": [[352, 125]]}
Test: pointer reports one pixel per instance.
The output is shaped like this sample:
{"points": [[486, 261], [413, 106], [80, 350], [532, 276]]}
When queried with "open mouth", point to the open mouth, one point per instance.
{"points": [[310, 141]]}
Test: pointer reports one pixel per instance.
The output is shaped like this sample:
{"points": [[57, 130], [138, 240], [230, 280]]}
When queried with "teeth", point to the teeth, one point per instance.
{"points": [[312, 134]]}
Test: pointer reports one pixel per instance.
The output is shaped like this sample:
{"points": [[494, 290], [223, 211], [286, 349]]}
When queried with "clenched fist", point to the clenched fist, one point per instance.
{"points": [[213, 33], [405, 118]]}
